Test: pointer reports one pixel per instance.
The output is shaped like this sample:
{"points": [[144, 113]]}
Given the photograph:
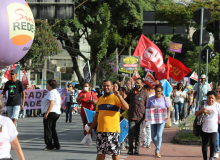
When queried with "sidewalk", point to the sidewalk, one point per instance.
{"points": [[168, 150]]}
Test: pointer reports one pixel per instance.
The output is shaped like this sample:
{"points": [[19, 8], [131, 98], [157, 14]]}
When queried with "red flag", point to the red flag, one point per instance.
{"points": [[135, 75], [32, 86], [151, 57], [7, 73], [149, 80], [25, 80], [210, 86], [176, 69]]}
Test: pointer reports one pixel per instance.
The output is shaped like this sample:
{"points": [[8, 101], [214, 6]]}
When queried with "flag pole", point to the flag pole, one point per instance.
{"points": [[174, 54], [130, 56]]}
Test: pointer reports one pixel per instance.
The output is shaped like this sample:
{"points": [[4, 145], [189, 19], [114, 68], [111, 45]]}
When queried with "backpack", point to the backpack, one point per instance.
{"points": [[199, 120]]}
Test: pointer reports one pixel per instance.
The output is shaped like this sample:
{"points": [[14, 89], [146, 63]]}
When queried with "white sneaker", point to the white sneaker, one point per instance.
{"points": [[216, 155], [176, 122]]}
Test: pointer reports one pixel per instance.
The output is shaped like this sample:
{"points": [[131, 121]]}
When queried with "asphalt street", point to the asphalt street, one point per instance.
{"points": [[70, 136]]}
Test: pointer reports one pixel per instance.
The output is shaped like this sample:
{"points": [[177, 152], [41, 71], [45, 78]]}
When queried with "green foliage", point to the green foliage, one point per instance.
{"points": [[192, 60], [181, 15], [44, 45]]}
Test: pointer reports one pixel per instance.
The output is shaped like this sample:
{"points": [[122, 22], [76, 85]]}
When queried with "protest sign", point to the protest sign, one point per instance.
{"points": [[175, 47], [149, 80], [189, 86], [33, 97], [124, 127], [194, 76], [122, 71], [156, 115], [86, 72], [135, 75], [130, 62], [89, 114], [167, 89]]}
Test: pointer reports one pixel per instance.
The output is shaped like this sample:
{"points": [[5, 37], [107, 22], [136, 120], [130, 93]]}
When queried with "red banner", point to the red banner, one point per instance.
{"points": [[25, 80], [176, 69], [7, 73], [149, 80], [151, 57], [136, 75]]}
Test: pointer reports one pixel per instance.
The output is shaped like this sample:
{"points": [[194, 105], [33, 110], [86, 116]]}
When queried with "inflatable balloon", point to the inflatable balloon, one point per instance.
{"points": [[17, 29]]}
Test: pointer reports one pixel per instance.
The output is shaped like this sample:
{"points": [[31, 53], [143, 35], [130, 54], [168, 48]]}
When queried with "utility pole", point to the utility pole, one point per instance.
{"points": [[45, 71]]}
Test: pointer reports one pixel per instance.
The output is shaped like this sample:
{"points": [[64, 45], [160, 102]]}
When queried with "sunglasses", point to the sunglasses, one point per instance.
{"points": [[70, 86], [217, 91]]}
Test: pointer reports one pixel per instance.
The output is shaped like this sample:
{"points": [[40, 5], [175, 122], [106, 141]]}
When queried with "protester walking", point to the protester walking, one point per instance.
{"points": [[179, 97], [107, 116], [50, 110], [147, 127], [137, 101], [158, 101], [204, 88], [14, 88], [71, 101], [8, 137], [216, 155], [210, 111], [87, 100]]}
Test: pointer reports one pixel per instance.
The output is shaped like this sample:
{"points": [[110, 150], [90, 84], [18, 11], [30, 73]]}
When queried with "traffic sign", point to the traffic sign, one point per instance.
{"points": [[211, 54]]}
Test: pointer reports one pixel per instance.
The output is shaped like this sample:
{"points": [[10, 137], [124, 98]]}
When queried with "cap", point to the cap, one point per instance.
{"points": [[203, 76], [13, 71], [97, 87]]}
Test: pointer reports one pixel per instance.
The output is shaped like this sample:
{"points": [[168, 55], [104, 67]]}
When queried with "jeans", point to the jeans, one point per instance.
{"points": [[188, 110], [50, 131], [28, 112], [146, 133], [69, 108], [13, 111], [217, 140], [178, 109], [206, 137], [135, 129], [156, 135]]}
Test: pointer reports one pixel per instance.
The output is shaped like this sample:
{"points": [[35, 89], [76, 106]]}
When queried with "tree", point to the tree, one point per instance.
{"points": [[106, 25], [44, 45]]}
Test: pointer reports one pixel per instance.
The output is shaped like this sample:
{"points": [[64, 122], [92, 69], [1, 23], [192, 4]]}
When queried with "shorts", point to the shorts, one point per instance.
{"points": [[13, 111], [108, 143]]}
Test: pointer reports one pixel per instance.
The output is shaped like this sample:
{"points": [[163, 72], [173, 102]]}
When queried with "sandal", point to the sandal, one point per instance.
{"points": [[157, 154]]}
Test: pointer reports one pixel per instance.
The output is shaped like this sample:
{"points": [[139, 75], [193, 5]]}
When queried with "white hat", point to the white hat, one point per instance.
{"points": [[97, 86], [203, 76]]}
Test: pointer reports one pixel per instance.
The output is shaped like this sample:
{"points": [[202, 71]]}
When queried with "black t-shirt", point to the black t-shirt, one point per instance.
{"points": [[14, 92]]}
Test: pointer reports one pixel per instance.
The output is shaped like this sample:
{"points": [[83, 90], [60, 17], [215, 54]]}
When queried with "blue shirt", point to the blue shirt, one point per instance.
{"points": [[203, 90]]}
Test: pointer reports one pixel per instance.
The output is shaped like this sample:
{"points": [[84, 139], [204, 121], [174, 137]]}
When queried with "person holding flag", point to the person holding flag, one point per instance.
{"points": [[14, 88]]}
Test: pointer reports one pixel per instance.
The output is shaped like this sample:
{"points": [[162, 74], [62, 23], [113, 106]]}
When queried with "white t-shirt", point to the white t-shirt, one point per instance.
{"points": [[8, 132], [211, 117], [53, 95], [69, 93], [179, 98]]}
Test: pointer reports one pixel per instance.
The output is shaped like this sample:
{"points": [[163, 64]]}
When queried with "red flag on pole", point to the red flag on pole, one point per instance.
{"points": [[149, 80], [7, 73], [136, 75], [176, 69], [25, 80], [151, 57]]}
